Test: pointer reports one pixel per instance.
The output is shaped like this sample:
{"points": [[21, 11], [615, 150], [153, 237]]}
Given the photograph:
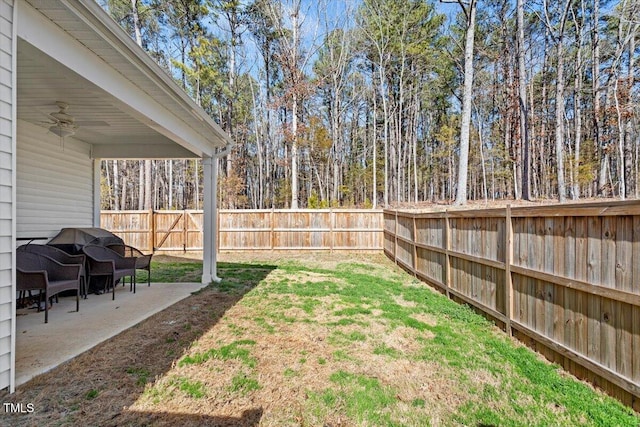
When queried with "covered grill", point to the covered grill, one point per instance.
{"points": [[71, 240]]}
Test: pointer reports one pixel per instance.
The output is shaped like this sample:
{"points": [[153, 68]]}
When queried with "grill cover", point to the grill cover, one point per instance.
{"points": [[71, 240]]}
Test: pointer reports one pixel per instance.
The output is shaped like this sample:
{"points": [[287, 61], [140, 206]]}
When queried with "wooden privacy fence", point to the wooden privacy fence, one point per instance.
{"points": [[276, 229], [563, 279], [316, 229]]}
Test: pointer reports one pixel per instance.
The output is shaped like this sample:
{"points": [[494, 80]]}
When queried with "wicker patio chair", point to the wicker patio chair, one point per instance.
{"points": [[41, 273], [104, 262], [62, 257], [143, 262]]}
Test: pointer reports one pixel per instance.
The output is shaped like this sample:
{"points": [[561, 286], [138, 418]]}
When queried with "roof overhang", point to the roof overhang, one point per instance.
{"points": [[72, 51]]}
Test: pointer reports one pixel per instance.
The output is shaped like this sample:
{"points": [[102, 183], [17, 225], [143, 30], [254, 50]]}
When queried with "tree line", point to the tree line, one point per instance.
{"points": [[378, 102]]}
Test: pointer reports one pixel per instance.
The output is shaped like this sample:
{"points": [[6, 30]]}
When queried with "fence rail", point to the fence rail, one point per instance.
{"points": [[238, 230], [564, 279]]}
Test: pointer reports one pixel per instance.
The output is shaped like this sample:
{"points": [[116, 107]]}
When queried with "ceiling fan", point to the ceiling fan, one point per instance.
{"points": [[64, 124]]}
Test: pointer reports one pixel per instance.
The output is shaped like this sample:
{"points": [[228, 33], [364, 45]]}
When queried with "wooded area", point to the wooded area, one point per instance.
{"points": [[563, 279], [368, 102]]}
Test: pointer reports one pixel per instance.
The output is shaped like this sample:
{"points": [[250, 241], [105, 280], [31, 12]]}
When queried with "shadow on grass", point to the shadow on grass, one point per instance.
{"points": [[98, 386]]}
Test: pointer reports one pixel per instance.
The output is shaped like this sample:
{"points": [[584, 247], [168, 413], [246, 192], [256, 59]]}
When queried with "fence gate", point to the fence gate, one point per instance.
{"points": [[177, 230]]}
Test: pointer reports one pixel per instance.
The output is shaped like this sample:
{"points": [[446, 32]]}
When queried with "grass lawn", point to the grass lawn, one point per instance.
{"points": [[326, 340]]}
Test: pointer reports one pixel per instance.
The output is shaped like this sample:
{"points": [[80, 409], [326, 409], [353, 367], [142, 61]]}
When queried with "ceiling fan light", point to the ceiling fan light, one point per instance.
{"points": [[62, 131]]}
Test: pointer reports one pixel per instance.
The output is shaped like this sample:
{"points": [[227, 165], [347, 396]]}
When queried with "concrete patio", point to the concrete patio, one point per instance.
{"points": [[41, 347]]}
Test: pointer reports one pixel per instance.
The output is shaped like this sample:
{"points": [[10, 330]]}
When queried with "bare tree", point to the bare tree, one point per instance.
{"points": [[293, 59], [595, 94], [522, 93], [378, 35], [577, 93], [558, 36], [469, 9], [333, 70]]}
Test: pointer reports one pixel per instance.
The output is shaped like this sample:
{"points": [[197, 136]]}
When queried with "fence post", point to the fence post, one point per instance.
{"points": [[332, 217], [184, 230], [381, 225], [507, 268], [150, 221], [395, 235], [415, 247], [272, 237], [447, 249]]}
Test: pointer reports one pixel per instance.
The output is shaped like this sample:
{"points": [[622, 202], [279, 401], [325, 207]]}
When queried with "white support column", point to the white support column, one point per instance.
{"points": [[207, 228], [214, 221], [210, 169]]}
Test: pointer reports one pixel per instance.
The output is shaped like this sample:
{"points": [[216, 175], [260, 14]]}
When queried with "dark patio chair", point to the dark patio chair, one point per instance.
{"points": [[104, 262], [62, 257], [44, 274], [143, 262]]}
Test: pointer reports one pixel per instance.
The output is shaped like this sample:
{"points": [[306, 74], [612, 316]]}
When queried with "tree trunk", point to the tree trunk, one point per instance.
{"points": [[108, 178], [559, 103], [482, 161], [577, 93], [141, 185], [170, 181], [524, 119], [259, 202], [294, 152], [136, 22], [562, 191], [116, 186], [542, 140], [374, 134], [123, 192], [630, 184], [535, 177], [595, 93], [414, 139], [463, 163], [148, 192], [385, 112]]}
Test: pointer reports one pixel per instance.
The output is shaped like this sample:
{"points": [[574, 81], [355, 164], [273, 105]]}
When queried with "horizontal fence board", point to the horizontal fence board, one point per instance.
{"points": [[566, 277]]}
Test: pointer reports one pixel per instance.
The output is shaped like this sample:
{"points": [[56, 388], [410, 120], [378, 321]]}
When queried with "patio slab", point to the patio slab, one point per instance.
{"points": [[41, 347]]}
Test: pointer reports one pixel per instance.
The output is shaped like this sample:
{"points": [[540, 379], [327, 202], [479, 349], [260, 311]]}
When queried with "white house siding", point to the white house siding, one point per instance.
{"points": [[55, 183], [7, 188]]}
